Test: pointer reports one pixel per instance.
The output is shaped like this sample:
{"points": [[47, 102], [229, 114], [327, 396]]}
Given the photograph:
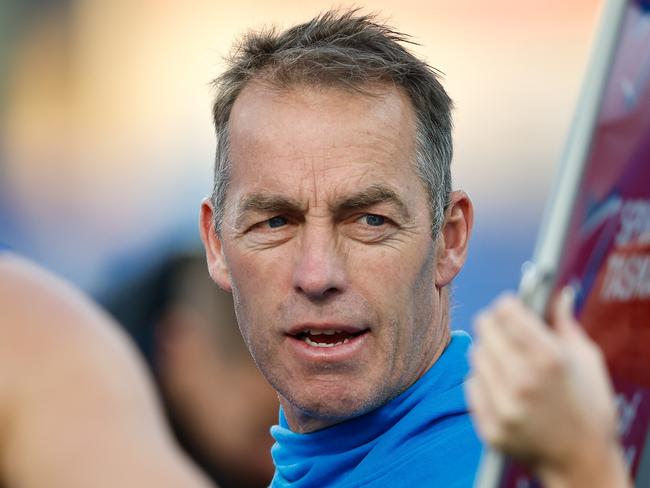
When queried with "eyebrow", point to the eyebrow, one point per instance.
{"points": [[273, 203], [373, 195], [267, 203]]}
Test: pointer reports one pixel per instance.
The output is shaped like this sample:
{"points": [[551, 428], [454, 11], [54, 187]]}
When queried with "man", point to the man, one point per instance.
{"points": [[334, 225], [77, 408]]}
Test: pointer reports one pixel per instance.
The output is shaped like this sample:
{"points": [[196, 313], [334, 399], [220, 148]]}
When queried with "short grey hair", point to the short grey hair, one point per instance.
{"points": [[351, 50]]}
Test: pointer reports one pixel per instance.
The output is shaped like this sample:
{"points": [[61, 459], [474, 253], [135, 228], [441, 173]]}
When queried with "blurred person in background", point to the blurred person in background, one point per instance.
{"points": [[219, 405], [77, 407]]}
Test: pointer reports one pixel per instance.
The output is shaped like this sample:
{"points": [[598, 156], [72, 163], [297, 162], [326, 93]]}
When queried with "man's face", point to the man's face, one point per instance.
{"points": [[326, 245]]}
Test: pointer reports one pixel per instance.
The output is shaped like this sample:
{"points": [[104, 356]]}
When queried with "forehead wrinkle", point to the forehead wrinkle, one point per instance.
{"points": [[314, 182]]}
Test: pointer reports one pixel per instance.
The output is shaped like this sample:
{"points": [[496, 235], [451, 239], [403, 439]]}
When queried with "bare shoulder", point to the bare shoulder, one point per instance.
{"points": [[77, 407], [46, 315], [48, 327]]}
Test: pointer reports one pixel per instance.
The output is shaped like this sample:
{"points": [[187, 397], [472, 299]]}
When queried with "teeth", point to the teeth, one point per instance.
{"points": [[324, 344], [326, 332]]}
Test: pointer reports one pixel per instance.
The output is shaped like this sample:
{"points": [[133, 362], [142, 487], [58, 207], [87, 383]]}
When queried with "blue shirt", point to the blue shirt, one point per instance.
{"points": [[423, 437]]}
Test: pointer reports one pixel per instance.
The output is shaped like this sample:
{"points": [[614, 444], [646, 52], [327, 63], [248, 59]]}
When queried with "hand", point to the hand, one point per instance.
{"points": [[542, 395]]}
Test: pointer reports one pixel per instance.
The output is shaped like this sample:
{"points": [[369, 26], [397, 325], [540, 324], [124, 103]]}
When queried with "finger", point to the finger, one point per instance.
{"points": [[532, 335], [570, 332], [501, 392], [482, 410], [506, 354], [486, 370], [562, 313]]}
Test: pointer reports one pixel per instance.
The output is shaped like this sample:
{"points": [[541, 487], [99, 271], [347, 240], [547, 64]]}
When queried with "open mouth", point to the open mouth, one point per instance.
{"points": [[327, 338]]}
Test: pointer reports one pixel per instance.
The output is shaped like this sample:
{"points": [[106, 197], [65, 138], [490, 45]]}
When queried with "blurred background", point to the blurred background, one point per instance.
{"points": [[106, 150]]}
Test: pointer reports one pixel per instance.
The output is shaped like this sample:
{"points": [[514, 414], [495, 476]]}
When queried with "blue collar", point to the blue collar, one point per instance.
{"points": [[340, 454]]}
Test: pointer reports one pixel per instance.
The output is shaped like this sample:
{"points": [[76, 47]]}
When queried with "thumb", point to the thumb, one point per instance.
{"points": [[562, 317]]}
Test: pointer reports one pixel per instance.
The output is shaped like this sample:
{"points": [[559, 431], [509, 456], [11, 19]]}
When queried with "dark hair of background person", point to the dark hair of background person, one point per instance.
{"points": [[218, 404]]}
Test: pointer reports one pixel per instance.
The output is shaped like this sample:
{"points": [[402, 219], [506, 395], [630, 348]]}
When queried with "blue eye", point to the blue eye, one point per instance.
{"points": [[275, 222], [374, 220]]}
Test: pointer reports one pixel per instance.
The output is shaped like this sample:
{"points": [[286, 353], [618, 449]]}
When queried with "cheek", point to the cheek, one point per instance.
{"points": [[252, 318], [258, 285], [253, 274], [393, 277], [400, 287]]}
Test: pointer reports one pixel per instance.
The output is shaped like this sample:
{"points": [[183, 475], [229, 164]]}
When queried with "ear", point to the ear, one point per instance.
{"points": [[454, 238], [217, 266]]}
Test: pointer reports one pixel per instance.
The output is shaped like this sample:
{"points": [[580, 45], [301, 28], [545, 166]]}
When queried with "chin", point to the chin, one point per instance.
{"points": [[337, 404]]}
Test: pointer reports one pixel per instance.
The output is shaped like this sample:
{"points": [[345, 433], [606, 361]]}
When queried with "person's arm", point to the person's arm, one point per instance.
{"points": [[542, 395], [77, 408]]}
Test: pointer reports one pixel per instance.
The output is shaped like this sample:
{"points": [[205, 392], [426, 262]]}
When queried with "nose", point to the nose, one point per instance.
{"points": [[319, 269]]}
